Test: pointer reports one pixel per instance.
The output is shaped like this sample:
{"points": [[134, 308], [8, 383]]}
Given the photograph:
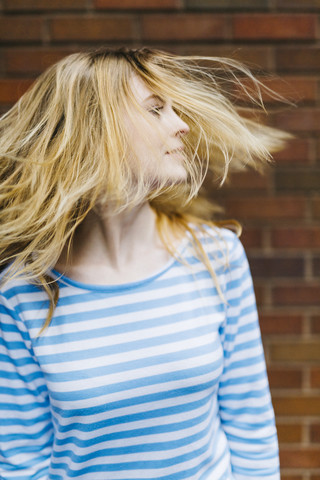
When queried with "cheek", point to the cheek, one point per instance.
{"points": [[147, 143]]}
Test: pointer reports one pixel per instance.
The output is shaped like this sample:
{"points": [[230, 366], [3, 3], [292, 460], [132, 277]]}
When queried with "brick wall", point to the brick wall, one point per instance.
{"points": [[280, 211]]}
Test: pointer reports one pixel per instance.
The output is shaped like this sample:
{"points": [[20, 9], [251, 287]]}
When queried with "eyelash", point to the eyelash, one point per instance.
{"points": [[156, 110]]}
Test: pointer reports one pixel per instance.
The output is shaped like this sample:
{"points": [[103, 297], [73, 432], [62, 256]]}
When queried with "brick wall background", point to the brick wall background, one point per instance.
{"points": [[280, 211]]}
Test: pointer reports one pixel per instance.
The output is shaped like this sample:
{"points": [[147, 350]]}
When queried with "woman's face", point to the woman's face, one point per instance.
{"points": [[156, 143]]}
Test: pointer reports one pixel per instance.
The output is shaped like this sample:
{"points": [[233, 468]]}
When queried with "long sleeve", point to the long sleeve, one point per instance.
{"points": [[26, 431], [246, 410]]}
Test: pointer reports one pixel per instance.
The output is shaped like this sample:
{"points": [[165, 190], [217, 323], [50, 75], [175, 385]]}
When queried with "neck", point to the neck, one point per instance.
{"points": [[114, 239], [125, 235]]}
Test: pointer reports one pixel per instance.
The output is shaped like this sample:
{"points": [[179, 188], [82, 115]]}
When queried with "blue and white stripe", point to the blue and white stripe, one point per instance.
{"points": [[157, 379]]}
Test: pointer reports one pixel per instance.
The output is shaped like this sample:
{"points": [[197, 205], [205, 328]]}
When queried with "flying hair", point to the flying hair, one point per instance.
{"points": [[64, 150]]}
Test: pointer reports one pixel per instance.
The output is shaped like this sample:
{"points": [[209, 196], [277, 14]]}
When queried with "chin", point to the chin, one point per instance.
{"points": [[175, 172], [179, 175]]}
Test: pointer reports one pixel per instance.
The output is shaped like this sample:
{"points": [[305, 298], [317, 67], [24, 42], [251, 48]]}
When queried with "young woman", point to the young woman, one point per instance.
{"points": [[130, 345]]}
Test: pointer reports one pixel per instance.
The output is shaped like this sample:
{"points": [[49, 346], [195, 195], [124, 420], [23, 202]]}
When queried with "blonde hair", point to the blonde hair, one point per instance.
{"points": [[63, 148]]}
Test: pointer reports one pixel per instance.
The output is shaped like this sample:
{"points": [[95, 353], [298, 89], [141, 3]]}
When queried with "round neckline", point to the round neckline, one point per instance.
{"points": [[60, 277]]}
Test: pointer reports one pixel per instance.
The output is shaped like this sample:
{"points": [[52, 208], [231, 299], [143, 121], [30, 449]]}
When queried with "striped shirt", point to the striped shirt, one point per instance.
{"points": [[156, 379]]}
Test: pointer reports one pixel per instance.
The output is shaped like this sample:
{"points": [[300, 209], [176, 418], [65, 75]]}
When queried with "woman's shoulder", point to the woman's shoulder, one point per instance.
{"points": [[14, 290], [221, 241]]}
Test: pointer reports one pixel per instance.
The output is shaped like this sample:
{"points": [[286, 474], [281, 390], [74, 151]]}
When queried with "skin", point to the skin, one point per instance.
{"points": [[156, 142], [115, 249]]}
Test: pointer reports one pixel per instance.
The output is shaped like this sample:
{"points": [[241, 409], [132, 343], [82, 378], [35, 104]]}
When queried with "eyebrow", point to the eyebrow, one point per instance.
{"points": [[153, 97]]}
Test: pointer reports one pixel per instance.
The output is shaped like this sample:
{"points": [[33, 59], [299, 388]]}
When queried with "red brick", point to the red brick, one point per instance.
{"points": [[254, 114], [274, 26], [284, 378], [277, 266], [315, 324], [298, 59], [260, 294], [280, 324], [137, 4], [21, 29], [296, 89], [278, 90], [285, 476], [248, 180], [316, 207], [300, 120], [299, 295], [255, 56], [315, 377], [32, 61], [295, 351], [227, 4], [251, 237], [318, 150], [297, 151], [300, 457], [303, 237], [116, 27], [296, 406], [280, 208], [23, 5], [315, 432], [183, 27], [316, 267], [298, 179], [298, 4], [289, 433], [12, 89]]}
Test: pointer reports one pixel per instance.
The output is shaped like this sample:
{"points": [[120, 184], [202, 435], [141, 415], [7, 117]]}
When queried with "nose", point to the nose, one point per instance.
{"points": [[180, 127]]}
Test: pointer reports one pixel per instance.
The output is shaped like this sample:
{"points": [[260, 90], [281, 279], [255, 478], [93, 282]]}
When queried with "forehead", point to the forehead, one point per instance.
{"points": [[139, 89]]}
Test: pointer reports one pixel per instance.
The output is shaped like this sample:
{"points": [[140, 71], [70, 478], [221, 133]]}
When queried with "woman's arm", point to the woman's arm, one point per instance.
{"points": [[245, 404], [26, 432]]}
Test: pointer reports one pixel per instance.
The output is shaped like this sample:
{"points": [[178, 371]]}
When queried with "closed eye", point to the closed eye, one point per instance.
{"points": [[156, 110]]}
